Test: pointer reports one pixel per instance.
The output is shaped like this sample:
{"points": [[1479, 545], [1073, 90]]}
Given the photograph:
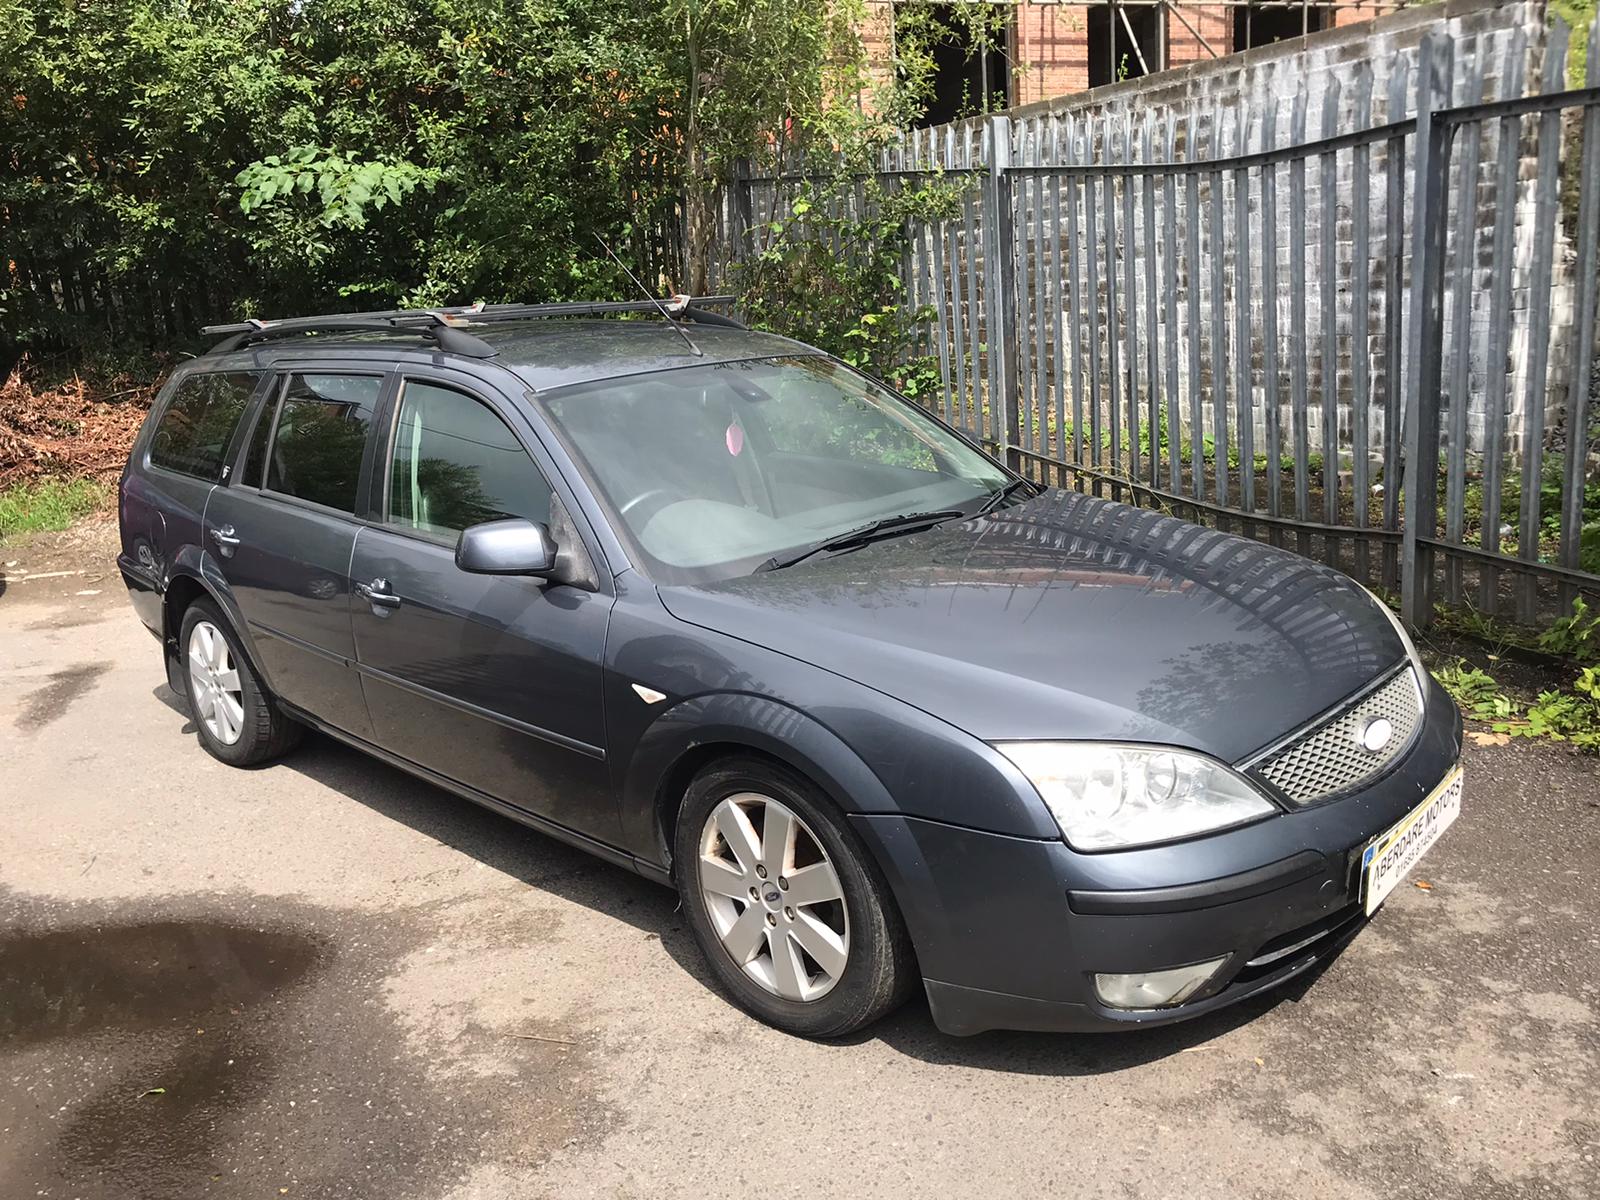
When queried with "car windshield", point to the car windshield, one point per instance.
{"points": [[713, 470]]}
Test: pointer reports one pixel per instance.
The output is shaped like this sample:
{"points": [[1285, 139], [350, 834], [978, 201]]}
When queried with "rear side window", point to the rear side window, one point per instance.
{"points": [[321, 433], [455, 464], [194, 431]]}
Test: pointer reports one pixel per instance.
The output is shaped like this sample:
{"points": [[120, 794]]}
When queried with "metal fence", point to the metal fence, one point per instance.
{"points": [[1375, 345]]}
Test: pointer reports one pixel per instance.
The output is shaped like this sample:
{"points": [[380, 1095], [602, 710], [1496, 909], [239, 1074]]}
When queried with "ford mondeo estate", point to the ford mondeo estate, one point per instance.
{"points": [[725, 612]]}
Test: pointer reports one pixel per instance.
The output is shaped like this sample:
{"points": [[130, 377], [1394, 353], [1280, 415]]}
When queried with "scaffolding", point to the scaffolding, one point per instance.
{"points": [[1122, 35], [1308, 10]]}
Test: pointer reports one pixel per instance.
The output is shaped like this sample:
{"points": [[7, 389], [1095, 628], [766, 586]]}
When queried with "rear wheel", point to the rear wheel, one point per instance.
{"points": [[235, 719], [789, 910]]}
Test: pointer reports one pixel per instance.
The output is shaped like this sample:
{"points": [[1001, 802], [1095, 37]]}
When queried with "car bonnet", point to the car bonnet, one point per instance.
{"points": [[1072, 617]]}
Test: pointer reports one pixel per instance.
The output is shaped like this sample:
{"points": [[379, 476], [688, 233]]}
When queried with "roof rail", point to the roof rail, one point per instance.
{"points": [[441, 332], [448, 327]]}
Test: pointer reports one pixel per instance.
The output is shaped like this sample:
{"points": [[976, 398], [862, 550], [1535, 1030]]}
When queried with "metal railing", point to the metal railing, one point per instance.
{"points": [[1366, 344]]}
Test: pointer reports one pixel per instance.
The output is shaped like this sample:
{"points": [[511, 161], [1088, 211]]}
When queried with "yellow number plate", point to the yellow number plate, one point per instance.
{"points": [[1389, 859]]}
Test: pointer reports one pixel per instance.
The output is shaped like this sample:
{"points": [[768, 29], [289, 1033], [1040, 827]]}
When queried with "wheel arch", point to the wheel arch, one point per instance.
{"points": [[190, 581], [683, 741], [810, 750]]}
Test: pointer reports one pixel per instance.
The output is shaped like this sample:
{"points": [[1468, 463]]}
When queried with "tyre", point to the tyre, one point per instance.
{"points": [[790, 911], [237, 722]]}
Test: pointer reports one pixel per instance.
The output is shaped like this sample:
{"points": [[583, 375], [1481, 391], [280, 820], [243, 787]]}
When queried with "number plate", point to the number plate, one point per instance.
{"points": [[1389, 859]]}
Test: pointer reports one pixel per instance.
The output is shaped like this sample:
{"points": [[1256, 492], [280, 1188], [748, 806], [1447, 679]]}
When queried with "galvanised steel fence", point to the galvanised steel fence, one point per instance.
{"points": [[1375, 345]]}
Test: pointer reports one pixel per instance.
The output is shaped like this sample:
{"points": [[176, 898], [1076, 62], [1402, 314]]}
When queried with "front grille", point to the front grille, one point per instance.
{"points": [[1330, 760]]}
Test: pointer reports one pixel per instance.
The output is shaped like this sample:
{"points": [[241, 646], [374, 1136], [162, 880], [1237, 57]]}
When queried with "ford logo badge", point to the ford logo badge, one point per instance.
{"points": [[1375, 734]]}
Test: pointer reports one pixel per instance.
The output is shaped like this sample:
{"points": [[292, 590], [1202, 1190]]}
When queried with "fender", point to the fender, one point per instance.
{"points": [[192, 562], [905, 848], [673, 741]]}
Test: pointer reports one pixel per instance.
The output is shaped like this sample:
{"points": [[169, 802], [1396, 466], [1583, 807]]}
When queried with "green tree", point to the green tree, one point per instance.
{"points": [[163, 164], [764, 79]]}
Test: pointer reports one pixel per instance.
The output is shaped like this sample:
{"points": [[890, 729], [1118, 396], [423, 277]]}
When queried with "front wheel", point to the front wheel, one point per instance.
{"points": [[789, 910]]}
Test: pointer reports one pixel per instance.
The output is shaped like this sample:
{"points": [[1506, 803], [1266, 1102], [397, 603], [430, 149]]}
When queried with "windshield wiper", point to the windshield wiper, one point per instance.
{"points": [[1001, 495], [851, 539]]}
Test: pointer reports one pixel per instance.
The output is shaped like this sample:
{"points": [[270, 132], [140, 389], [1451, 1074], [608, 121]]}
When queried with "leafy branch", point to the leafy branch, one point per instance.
{"points": [[345, 188]]}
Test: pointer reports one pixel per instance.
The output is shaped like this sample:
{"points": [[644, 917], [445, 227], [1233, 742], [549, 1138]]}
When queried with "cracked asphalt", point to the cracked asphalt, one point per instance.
{"points": [[324, 978]]}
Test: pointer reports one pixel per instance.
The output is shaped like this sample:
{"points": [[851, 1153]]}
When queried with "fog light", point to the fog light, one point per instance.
{"points": [[1155, 989]]}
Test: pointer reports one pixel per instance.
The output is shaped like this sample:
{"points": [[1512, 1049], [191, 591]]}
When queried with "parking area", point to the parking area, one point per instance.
{"points": [[325, 978]]}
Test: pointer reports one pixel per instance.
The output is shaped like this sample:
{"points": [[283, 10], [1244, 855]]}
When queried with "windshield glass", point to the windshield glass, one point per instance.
{"points": [[712, 470]]}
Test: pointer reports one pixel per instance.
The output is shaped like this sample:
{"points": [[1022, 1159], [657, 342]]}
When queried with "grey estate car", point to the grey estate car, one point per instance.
{"points": [[723, 611]]}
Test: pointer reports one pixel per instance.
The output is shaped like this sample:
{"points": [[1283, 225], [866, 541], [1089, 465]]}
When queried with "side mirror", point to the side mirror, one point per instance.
{"points": [[510, 547]]}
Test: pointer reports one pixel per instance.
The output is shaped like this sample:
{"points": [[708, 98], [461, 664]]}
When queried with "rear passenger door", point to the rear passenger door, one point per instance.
{"points": [[491, 681], [187, 454], [283, 531]]}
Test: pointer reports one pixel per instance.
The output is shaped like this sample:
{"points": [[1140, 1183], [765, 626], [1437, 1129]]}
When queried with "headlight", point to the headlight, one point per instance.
{"points": [[1108, 797], [1400, 632]]}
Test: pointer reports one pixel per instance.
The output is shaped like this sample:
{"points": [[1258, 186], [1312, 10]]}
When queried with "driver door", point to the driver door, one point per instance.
{"points": [[491, 681]]}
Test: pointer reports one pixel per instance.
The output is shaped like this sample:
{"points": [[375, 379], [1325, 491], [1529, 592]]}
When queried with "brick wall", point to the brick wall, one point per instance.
{"points": [[1214, 23], [877, 38], [1051, 47], [1050, 41]]}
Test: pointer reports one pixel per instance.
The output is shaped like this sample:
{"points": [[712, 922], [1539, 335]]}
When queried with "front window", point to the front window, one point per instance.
{"points": [[456, 464], [712, 470]]}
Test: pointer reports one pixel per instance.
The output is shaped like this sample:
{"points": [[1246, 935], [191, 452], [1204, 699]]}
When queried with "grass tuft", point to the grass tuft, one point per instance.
{"points": [[48, 504]]}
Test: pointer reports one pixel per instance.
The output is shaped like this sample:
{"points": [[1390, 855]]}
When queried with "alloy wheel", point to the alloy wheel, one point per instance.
{"points": [[774, 897], [214, 683]]}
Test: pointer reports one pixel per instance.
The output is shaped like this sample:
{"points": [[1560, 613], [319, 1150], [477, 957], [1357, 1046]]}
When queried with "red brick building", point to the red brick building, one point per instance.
{"points": [[1057, 47]]}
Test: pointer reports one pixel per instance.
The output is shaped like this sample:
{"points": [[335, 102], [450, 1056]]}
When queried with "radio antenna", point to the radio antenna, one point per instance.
{"points": [[651, 296]]}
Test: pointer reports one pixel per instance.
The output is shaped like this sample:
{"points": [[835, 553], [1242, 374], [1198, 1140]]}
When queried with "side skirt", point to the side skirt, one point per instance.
{"points": [[561, 833]]}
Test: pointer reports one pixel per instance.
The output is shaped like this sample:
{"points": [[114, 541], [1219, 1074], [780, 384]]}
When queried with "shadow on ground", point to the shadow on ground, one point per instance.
{"points": [[579, 878], [180, 1046]]}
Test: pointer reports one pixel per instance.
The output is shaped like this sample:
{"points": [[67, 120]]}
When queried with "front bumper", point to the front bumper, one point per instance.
{"points": [[1010, 931]]}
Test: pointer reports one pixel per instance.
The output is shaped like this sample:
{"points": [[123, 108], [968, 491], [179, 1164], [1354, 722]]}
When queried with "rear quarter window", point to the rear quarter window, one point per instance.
{"points": [[195, 428]]}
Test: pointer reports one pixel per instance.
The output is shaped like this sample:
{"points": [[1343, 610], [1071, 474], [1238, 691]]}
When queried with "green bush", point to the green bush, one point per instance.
{"points": [[168, 164], [1575, 636], [1551, 482], [828, 273], [1561, 715]]}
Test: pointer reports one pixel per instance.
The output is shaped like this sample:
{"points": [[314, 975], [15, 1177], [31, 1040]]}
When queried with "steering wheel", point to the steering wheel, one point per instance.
{"points": [[662, 496]]}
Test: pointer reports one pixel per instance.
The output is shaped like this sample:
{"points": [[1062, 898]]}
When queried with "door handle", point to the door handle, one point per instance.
{"points": [[225, 536], [377, 594]]}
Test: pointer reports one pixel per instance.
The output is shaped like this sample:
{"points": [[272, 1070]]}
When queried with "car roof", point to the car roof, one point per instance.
{"points": [[544, 353]]}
